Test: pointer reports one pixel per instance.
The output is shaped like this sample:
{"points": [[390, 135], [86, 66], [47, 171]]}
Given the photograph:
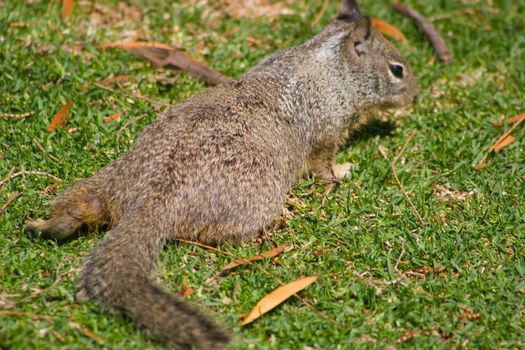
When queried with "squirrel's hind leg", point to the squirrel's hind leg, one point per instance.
{"points": [[78, 206]]}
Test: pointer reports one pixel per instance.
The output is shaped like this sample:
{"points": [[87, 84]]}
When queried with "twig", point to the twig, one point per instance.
{"points": [[119, 132], [9, 201], [86, 332], [501, 138], [320, 14], [400, 256], [40, 147], [142, 97], [131, 94], [430, 31], [393, 165], [28, 314], [172, 58], [263, 270], [24, 172], [16, 115]]}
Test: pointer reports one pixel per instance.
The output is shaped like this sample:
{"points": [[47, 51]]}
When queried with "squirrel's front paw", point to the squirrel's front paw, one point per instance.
{"points": [[340, 171]]}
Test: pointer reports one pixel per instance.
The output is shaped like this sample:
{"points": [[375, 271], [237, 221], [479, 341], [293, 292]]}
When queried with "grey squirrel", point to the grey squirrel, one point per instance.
{"points": [[218, 167]]}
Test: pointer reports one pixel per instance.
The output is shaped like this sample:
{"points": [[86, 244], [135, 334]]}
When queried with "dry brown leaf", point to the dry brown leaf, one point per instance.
{"points": [[60, 117], [517, 118], [504, 143], [268, 254], [186, 291], [256, 9], [387, 29], [112, 118], [517, 121], [276, 297], [67, 8]]}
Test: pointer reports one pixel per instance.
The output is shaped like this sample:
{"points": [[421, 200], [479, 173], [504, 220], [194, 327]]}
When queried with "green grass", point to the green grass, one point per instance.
{"points": [[360, 238]]}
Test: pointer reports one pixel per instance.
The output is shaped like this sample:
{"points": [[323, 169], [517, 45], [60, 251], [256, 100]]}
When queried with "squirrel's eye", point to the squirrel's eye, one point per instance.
{"points": [[397, 70]]}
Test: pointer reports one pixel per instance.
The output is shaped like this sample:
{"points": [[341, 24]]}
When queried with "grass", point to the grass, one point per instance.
{"points": [[362, 237]]}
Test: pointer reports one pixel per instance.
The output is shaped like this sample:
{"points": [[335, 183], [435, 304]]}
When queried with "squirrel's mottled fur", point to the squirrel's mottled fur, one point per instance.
{"points": [[218, 167]]}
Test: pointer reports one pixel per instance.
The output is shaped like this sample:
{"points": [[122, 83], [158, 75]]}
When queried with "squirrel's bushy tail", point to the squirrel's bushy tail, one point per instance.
{"points": [[118, 274]]}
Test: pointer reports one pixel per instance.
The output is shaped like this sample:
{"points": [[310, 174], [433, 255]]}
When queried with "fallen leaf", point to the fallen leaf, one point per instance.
{"points": [[60, 117], [504, 143], [517, 118], [112, 118], [389, 30], [267, 254], [276, 297], [186, 291], [516, 121], [67, 8]]}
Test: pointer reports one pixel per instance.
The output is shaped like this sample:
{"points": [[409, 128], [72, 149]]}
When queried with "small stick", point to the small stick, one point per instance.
{"points": [[16, 116], [130, 94], [320, 14], [9, 201], [400, 256], [119, 133], [172, 58], [28, 314], [430, 31], [393, 165], [40, 147], [142, 97], [24, 172], [501, 138], [266, 272]]}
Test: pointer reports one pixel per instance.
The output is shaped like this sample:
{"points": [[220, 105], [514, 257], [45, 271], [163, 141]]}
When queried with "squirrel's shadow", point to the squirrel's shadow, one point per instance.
{"points": [[374, 127]]}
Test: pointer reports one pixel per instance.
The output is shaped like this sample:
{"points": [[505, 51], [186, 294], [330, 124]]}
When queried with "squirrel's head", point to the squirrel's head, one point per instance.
{"points": [[372, 67]]}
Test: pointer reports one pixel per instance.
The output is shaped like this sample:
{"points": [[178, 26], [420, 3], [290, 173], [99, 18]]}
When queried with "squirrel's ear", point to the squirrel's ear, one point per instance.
{"points": [[360, 35], [349, 11]]}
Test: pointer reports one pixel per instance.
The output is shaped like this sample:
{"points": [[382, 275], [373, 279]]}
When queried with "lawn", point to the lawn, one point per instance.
{"points": [[386, 279]]}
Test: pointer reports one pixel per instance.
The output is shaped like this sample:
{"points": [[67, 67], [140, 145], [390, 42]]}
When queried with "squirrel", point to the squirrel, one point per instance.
{"points": [[219, 165]]}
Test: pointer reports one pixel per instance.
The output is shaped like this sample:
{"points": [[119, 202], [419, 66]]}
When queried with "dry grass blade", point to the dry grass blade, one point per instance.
{"points": [[387, 29], [394, 172], [60, 117], [519, 118], [430, 31], [268, 254], [16, 115], [172, 58], [320, 13], [9, 201], [276, 297]]}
